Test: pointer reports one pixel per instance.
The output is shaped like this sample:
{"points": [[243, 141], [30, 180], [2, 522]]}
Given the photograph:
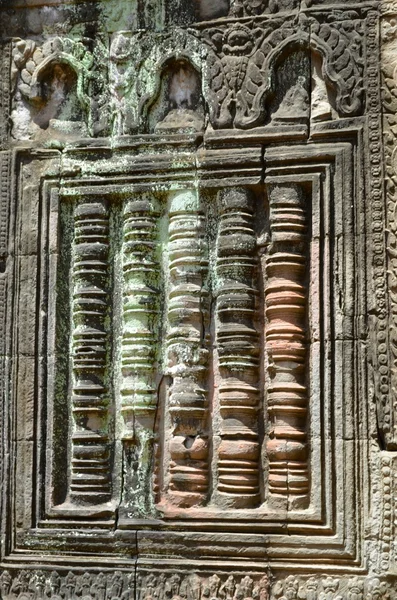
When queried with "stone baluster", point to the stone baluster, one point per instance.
{"points": [[140, 339], [237, 342], [187, 351], [90, 469], [286, 343]]}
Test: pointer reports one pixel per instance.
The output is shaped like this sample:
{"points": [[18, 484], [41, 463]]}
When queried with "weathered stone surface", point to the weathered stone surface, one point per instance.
{"points": [[198, 266]]}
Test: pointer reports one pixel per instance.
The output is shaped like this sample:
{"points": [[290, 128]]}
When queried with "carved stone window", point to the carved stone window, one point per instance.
{"points": [[194, 250], [187, 330]]}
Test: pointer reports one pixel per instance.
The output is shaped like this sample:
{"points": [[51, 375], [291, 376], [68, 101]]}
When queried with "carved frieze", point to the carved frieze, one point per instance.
{"points": [[119, 585], [332, 588], [55, 585], [237, 62]]}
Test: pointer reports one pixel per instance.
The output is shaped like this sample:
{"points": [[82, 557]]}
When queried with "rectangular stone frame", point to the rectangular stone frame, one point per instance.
{"points": [[332, 528]]}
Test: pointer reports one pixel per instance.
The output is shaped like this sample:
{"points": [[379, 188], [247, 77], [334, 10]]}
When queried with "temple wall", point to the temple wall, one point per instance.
{"points": [[198, 300]]}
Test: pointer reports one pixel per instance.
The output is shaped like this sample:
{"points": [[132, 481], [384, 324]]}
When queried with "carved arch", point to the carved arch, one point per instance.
{"points": [[183, 47], [347, 82], [37, 61], [258, 111], [59, 59], [342, 70]]}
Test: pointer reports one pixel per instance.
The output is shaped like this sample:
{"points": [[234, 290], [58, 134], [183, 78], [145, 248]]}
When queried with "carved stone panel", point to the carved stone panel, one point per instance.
{"points": [[197, 300]]}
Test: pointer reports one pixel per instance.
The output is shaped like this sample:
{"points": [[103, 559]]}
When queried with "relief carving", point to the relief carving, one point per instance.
{"points": [[295, 104], [169, 72], [5, 92], [330, 588], [228, 75], [244, 62], [199, 305], [55, 586], [61, 83], [339, 40], [247, 8], [387, 340], [122, 77], [205, 10], [196, 587], [119, 585], [241, 72], [183, 103]]}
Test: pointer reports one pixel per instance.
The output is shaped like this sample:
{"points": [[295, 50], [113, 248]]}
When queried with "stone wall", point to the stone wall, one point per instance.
{"points": [[198, 259]]}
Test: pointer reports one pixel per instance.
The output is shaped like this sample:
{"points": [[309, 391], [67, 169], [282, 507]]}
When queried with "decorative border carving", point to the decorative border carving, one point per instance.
{"points": [[386, 369], [5, 62], [331, 588], [5, 194], [192, 586], [54, 584], [386, 554]]}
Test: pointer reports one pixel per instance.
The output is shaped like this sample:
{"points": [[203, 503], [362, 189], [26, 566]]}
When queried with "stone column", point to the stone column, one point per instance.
{"points": [[187, 351], [286, 343], [90, 468], [237, 342], [140, 338]]}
